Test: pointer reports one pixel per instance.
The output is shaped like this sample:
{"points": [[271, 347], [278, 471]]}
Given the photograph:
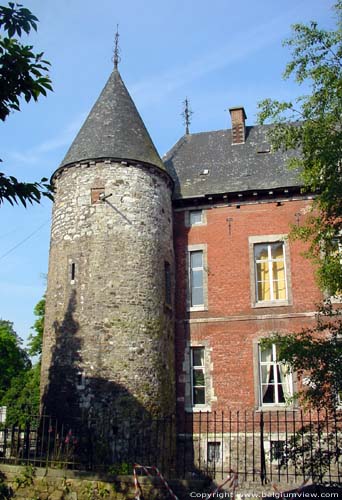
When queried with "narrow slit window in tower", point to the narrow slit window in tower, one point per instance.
{"points": [[73, 272]]}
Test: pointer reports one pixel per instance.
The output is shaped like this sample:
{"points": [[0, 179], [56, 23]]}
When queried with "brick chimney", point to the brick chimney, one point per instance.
{"points": [[238, 117]]}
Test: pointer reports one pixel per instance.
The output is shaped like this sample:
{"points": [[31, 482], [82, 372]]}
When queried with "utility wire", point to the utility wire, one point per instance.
{"points": [[24, 240]]}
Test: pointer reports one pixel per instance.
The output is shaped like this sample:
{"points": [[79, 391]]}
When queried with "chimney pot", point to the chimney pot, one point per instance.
{"points": [[238, 117]]}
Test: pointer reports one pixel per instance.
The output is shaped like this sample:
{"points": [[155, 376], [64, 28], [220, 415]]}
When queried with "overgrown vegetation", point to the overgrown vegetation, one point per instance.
{"points": [[19, 379], [312, 127]]}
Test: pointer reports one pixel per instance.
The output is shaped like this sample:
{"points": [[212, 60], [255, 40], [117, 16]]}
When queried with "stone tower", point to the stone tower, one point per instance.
{"points": [[109, 335]]}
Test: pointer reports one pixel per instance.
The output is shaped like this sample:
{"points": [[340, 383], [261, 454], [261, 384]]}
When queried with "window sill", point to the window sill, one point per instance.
{"points": [[196, 308], [276, 407], [272, 303], [198, 409]]}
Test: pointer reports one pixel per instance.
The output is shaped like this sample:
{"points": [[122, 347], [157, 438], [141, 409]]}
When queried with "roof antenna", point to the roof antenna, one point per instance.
{"points": [[186, 114], [116, 58]]}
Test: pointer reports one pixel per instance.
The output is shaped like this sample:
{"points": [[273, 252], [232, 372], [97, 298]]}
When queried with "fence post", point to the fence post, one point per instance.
{"points": [[27, 440], [262, 450]]}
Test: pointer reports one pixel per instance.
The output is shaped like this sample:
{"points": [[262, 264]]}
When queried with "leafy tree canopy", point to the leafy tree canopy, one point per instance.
{"points": [[13, 358], [312, 125], [35, 341], [22, 397], [23, 74], [316, 358]]}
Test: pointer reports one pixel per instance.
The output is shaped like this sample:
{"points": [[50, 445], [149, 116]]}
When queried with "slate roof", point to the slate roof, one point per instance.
{"points": [[231, 169], [113, 129]]}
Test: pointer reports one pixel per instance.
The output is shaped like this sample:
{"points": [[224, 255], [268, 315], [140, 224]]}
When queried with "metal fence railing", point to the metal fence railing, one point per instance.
{"points": [[287, 446]]}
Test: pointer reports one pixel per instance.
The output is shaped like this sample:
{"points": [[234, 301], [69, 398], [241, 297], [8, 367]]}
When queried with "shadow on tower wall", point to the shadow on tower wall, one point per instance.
{"points": [[96, 421]]}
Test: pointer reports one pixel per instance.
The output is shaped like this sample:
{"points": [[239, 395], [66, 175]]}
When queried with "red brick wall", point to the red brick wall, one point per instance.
{"points": [[229, 295]]}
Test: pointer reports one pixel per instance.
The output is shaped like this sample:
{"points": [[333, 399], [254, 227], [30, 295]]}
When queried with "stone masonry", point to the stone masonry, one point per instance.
{"points": [[108, 342]]}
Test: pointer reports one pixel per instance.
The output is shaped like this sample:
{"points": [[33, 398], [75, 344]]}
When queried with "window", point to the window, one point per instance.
{"points": [[196, 278], [270, 271], [198, 370], [96, 194], [80, 380], [277, 450], [167, 271], [213, 452], [195, 217], [72, 271], [275, 378], [197, 376]]}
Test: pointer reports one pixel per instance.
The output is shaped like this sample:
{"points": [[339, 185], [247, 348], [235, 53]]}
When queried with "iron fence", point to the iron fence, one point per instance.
{"points": [[285, 446]]}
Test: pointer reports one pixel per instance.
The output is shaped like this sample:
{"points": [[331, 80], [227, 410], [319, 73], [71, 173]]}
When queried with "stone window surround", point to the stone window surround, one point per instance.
{"points": [[72, 268], [252, 240], [195, 248], [257, 382], [187, 217], [208, 375]]}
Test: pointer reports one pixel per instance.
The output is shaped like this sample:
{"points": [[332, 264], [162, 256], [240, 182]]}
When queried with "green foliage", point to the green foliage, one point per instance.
{"points": [[316, 356], [121, 469], [12, 190], [314, 449], [96, 491], [22, 398], [23, 74], [19, 380], [311, 127], [5, 491], [13, 358], [26, 478], [35, 341]]}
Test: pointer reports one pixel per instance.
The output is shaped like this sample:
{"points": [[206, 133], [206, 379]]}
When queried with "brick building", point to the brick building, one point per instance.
{"points": [[238, 276], [164, 274]]}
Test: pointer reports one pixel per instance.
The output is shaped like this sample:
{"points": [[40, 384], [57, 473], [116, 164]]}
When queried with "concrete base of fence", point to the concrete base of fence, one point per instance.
{"points": [[27, 483]]}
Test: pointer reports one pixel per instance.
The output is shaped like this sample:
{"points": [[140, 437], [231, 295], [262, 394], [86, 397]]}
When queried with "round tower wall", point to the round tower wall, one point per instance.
{"points": [[108, 339]]}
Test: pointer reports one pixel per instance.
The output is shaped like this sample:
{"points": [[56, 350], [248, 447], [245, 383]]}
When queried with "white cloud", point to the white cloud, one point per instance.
{"points": [[238, 48], [64, 138]]}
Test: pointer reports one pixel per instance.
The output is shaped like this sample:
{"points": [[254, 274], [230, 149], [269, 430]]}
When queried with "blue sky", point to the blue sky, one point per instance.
{"points": [[219, 54]]}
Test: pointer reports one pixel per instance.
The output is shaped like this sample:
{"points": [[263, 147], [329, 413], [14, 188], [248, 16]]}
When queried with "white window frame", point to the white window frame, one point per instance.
{"points": [[187, 378], [270, 261], [191, 249], [268, 240], [275, 363], [201, 368]]}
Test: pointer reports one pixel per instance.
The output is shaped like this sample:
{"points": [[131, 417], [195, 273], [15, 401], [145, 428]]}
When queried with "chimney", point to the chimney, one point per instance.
{"points": [[238, 117]]}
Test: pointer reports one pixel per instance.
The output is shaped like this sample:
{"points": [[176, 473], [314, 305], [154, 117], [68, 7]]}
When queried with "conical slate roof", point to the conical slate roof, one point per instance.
{"points": [[113, 129]]}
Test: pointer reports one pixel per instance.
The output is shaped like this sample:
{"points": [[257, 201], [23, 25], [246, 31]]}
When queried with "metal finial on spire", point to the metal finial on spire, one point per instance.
{"points": [[116, 57], [186, 114]]}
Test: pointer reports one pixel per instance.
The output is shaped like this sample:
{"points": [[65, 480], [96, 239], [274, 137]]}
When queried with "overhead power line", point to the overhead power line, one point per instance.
{"points": [[24, 240]]}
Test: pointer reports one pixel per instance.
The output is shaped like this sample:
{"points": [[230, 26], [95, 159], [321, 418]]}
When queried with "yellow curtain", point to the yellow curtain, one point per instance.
{"points": [[278, 269]]}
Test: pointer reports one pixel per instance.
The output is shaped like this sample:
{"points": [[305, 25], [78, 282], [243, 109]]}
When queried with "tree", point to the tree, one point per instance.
{"points": [[23, 74], [311, 127], [13, 358], [35, 341], [21, 391]]}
